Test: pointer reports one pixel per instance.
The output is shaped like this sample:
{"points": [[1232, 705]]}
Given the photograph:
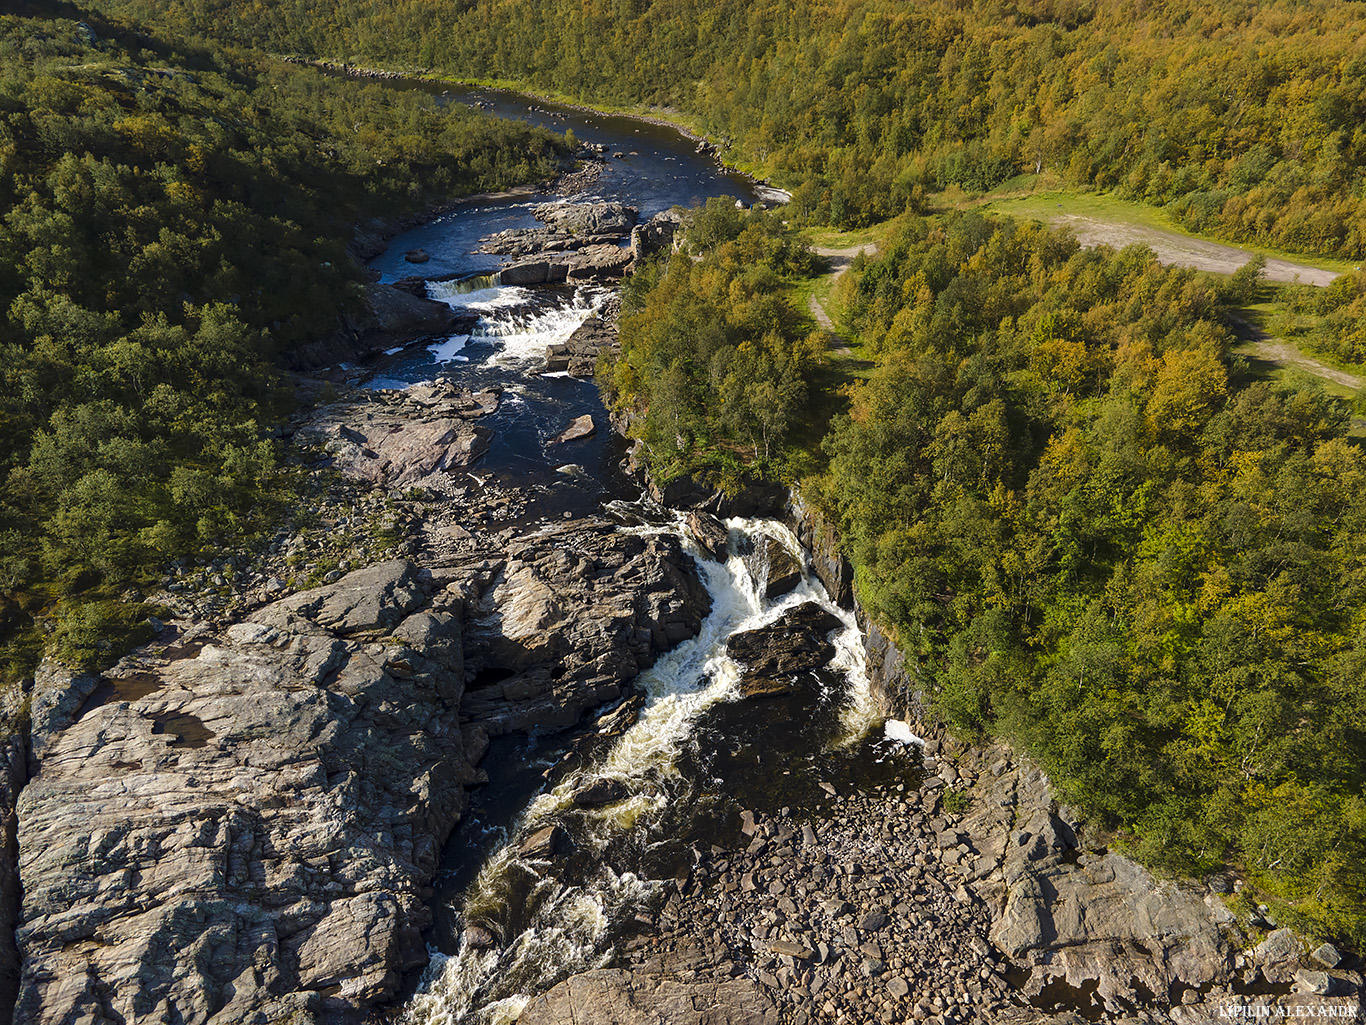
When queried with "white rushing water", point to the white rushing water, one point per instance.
{"points": [[567, 925], [513, 319]]}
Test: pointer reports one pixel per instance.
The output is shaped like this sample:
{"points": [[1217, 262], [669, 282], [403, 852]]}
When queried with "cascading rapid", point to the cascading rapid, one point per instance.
{"points": [[553, 899]]}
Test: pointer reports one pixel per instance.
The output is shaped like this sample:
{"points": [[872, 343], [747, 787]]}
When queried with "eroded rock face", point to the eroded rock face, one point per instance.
{"points": [[1086, 918], [388, 316], [773, 567], [242, 825], [244, 830], [775, 656], [578, 355], [709, 533], [597, 262], [655, 235], [569, 618]]}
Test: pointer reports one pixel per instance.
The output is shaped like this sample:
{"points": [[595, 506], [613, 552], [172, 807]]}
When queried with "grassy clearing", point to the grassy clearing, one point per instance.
{"points": [[846, 361], [1059, 203], [834, 238]]}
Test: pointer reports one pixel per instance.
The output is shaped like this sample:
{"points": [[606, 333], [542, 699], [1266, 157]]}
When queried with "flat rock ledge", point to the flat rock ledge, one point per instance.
{"points": [[399, 438], [613, 997]]}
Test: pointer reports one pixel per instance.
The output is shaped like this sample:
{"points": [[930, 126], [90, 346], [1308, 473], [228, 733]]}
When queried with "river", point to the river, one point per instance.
{"points": [[697, 756]]}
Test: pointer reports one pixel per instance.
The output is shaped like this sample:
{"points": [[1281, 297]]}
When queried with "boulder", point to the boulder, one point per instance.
{"points": [[416, 256], [534, 272], [579, 427], [1327, 955], [601, 792], [774, 569], [1279, 945], [478, 937], [1315, 982], [710, 534], [775, 656], [544, 844]]}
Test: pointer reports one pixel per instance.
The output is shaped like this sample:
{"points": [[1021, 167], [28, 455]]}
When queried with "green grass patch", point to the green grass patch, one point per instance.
{"points": [[1056, 204], [834, 238]]}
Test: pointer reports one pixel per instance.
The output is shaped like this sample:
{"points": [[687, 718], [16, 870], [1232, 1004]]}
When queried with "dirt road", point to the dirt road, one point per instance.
{"points": [[1179, 251], [839, 260]]}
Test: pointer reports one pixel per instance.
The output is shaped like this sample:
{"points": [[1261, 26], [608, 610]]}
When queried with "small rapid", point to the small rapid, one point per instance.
{"points": [[518, 322], [542, 915]]}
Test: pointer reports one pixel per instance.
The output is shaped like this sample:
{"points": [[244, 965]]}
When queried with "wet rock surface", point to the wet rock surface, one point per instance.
{"points": [[710, 533], [770, 563]]}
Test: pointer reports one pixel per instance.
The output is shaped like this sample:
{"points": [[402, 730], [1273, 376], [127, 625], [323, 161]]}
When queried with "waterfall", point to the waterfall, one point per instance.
{"points": [[519, 322], [551, 928]]}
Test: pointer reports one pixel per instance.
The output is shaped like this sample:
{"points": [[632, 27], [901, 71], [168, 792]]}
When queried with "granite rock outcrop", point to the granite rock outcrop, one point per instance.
{"points": [[241, 823]]}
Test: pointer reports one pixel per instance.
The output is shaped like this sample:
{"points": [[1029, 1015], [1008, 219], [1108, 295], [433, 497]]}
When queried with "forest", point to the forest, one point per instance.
{"points": [[175, 222], [1093, 538], [1088, 531], [1247, 121], [716, 361]]}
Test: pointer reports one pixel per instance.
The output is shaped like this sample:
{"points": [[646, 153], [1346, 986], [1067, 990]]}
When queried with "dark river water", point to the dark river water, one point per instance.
{"points": [[697, 756]]}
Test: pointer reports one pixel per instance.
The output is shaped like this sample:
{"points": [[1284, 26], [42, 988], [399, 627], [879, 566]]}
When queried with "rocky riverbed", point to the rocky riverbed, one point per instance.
{"points": [[243, 820], [966, 896]]}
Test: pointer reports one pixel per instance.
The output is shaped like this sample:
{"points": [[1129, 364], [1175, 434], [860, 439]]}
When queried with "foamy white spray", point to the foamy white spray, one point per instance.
{"points": [[569, 923], [513, 319]]}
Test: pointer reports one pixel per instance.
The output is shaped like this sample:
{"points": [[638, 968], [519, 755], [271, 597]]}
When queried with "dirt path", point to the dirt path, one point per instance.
{"points": [[1179, 251], [1272, 350], [839, 260]]}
